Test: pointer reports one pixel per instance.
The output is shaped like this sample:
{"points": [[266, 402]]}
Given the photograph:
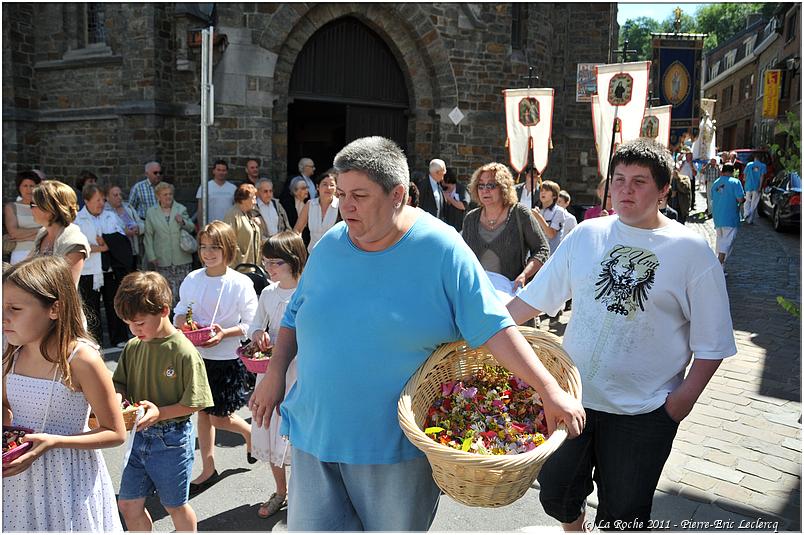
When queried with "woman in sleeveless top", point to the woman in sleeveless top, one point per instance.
{"points": [[321, 213], [19, 221]]}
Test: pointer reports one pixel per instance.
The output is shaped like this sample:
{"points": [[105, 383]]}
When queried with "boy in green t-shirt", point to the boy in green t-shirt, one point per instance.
{"points": [[162, 371]]}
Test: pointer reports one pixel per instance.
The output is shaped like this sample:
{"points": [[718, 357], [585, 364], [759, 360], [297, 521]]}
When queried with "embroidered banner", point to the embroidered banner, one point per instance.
{"points": [[529, 124], [622, 93], [656, 124]]}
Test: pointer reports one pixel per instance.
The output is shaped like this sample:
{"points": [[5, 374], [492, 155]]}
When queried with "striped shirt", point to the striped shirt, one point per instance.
{"points": [[142, 197]]}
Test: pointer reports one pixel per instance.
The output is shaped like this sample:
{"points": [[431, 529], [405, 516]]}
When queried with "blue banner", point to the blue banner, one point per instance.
{"points": [[677, 81]]}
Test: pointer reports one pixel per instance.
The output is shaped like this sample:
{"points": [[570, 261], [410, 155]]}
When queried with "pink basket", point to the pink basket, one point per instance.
{"points": [[253, 365], [13, 453], [199, 336]]}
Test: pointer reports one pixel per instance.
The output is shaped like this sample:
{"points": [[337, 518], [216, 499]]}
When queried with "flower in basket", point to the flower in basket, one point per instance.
{"points": [[490, 413], [252, 351], [189, 323], [12, 438]]}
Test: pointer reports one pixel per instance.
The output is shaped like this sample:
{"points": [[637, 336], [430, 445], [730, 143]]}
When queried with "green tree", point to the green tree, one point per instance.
{"points": [[637, 32], [722, 21], [790, 154]]}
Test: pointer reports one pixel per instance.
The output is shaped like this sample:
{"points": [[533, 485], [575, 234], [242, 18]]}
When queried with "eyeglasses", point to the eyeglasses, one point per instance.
{"points": [[273, 263], [489, 186]]}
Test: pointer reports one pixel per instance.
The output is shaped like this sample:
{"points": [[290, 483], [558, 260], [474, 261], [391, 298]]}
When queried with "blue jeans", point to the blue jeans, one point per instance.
{"points": [[360, 497], [623, 454], [161, 460]]}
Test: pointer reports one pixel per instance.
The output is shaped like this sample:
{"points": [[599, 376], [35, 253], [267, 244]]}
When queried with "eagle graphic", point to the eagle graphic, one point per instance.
{"points": [[622, 286]]}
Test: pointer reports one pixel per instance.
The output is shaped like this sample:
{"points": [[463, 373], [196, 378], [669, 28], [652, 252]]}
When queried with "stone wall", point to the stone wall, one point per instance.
{"points": [[69, 105]]}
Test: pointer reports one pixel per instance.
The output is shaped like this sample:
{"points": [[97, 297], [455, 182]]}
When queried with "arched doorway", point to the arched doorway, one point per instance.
{"points": [[345, 84]]}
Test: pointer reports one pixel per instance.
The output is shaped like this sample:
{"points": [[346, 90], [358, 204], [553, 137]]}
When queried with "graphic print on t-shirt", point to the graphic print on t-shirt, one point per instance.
{"points": [[626, 278]]}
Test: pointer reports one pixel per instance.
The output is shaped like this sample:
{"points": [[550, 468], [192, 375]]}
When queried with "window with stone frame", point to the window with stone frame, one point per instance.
{"points": [[746, 87], [726, 97], [94, 23], [519, 16], [790, 26]]}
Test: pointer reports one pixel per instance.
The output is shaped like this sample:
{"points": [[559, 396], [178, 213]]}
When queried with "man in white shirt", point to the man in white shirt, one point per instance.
{"points": [[220, 193], [273, 217], [306, 170], [523, 191], [648, 297]]}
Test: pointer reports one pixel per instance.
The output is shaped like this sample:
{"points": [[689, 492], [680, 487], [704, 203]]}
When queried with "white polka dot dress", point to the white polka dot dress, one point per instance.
{"points": [[66, 489]]}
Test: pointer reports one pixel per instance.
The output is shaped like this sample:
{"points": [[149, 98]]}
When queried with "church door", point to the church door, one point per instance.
{"points": [[346, 83]]}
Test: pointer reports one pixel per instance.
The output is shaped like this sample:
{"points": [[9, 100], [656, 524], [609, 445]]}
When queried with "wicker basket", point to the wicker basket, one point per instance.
{"points": [[251, 364], [13, 453], [129, 416], [470, 478], [199, 336]]}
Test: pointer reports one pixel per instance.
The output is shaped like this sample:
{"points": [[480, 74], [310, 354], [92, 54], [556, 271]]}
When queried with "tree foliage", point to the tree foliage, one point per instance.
{"points": [[720, 21], [790, 154], [637, 32]]}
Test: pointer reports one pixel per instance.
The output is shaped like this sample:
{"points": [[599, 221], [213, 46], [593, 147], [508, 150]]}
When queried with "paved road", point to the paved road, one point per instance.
{"points": [[736, 459]]}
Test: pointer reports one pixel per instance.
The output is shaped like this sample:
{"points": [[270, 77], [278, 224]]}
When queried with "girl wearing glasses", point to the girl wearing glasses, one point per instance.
{"points": [[284, 257], [503, 233]]}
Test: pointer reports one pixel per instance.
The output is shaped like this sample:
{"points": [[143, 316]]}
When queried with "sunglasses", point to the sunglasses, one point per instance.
{"points": [[157, 172], [273, 263], [489, 186]]}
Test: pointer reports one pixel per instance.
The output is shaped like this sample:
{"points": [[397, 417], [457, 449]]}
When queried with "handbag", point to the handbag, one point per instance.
{"points": [[187, 243]]}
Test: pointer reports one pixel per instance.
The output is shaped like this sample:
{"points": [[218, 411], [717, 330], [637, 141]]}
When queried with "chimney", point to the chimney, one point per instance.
{"points": [[751, 18]]}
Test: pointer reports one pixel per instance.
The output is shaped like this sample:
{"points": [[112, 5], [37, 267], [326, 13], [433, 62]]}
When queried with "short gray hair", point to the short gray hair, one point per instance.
{"points": [[437, 163], [303, 162], [163, 186], [380, 158], [151, 164], [260, 181]]}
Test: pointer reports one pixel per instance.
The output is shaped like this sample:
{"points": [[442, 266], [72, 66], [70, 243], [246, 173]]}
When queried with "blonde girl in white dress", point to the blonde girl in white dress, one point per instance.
{"points": [[284, 256], [52, 376], [321, 213]]}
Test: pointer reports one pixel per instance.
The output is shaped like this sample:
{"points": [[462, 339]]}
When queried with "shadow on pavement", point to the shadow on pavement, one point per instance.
{"points": [[242, 518]]}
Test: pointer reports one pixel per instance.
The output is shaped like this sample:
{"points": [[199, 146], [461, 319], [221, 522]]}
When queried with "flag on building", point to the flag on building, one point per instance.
{"points": [[770, 101], [656, 124], [529, 124], [622, 91]]}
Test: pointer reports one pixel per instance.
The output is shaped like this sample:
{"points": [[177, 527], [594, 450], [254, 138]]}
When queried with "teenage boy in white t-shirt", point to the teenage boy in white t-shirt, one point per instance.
{"points": [[648, 295]]}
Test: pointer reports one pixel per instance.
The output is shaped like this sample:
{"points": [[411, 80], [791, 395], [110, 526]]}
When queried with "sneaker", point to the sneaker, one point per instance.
{"points": [[274, 504]]}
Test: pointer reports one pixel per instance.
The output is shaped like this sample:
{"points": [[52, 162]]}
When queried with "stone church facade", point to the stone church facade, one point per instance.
{"points": [[108, 87]]}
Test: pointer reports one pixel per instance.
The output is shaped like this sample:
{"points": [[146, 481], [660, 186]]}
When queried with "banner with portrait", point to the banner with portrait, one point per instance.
{"points": [[656, 124], [585, 82], [529, 125], [619, 107], [677, 80]]}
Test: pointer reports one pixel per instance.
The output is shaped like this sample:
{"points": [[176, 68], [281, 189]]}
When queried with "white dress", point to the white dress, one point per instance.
{"points": [[66, 489], [267, 444], [319, 226]]}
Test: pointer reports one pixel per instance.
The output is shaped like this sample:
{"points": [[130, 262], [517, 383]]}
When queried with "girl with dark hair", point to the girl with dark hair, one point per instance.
{"points": [[284, 257]]}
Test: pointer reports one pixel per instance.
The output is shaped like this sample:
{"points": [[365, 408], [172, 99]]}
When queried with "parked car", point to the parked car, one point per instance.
{"points": [[781, 200], [744, 156]]}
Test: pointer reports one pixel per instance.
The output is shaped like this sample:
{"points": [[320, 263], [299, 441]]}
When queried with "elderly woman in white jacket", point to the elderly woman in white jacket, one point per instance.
{"points": [[94, 222]]}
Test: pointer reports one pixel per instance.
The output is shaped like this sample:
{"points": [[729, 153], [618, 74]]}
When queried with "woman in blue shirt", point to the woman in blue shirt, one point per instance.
{"points": [[360, 329]]}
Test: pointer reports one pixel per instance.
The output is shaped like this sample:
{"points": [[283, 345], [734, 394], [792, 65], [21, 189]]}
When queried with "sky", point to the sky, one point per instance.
{"points": [[659, 11]]}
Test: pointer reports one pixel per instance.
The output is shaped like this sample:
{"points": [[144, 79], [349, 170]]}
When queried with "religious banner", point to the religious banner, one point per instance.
{"points": [[656, 124], [585, 84], [676, 78], [770, 101], [622, 91], [529, 124]]}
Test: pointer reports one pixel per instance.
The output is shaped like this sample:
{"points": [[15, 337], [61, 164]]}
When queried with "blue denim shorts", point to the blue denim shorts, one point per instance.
{"points": [[161, 461], [361, 497]]}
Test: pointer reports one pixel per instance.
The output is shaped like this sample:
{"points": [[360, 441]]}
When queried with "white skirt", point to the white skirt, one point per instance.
{"points": [[267, 444]]}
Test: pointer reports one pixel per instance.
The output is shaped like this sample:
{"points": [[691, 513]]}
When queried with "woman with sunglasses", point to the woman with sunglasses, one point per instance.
{"points": [[55, 207], [503, 233]]}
